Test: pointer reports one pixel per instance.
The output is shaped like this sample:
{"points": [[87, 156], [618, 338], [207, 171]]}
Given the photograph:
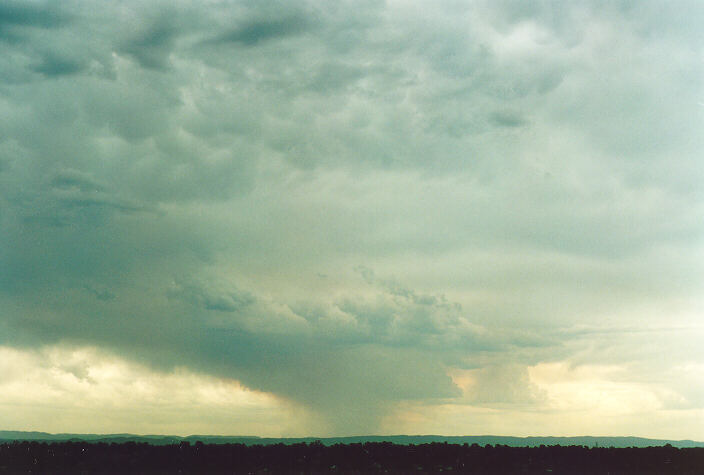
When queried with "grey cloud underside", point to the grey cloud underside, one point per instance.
{"points": [[349, 374], [151, 47], [253, 32], [40, 14], [338, 202]]}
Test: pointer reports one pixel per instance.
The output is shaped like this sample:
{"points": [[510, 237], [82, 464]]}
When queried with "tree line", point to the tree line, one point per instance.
{"points": [[370, 457]]}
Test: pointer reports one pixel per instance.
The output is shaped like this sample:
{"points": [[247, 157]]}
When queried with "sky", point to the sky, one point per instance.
{"points": [[313, 218]]}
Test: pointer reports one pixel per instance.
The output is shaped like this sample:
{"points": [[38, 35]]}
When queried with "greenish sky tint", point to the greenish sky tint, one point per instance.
{"points": [[339, 218]]}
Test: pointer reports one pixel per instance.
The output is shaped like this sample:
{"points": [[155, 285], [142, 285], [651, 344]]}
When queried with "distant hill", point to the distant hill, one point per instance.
{"points": [[587, 441]]}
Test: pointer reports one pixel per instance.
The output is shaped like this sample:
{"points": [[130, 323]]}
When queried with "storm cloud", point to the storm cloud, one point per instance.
{"points": [[366, 209]]}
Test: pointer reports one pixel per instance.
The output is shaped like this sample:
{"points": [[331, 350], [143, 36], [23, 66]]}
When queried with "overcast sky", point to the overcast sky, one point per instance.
{"points": [[336, 218]]}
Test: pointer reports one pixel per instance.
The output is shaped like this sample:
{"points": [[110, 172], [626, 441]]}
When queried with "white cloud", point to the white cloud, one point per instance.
{"points": [[84, 390]]}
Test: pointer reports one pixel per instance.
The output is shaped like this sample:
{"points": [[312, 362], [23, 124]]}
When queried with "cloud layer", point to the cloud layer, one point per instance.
{"points": [[359, 208]]}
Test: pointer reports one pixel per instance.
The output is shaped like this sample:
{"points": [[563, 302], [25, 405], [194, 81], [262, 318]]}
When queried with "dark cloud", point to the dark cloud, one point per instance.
{"points": [[176, 180], [34, 14], [151, 46], [255, 31], [68, 179], [104, 295], [52, 66], [229, 301], [265, 351], [507, 119]]}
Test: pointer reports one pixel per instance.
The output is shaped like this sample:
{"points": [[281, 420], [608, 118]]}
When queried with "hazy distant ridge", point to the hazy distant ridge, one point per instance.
{"points": [[588, 441]]}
